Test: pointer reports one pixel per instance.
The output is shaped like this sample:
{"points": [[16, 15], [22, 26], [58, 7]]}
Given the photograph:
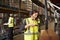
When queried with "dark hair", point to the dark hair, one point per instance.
{"points": [[32, 12]]}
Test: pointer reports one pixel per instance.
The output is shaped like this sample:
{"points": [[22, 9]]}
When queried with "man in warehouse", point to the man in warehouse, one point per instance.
{"points": [[10, 26]]}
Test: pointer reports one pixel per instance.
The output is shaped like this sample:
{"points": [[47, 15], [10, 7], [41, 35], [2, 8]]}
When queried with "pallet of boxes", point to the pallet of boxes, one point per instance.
{"points": [[48, 35]]}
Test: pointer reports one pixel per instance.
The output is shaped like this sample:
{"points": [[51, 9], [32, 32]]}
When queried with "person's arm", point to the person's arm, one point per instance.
{"points": [[28, 25], [24, 26], [39, 28]]}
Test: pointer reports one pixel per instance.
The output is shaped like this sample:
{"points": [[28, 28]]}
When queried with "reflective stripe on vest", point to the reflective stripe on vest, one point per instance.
{"points": [[31, 30]]}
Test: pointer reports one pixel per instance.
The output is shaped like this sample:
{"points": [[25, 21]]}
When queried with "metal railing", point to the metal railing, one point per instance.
{"points": [[56, 11]]}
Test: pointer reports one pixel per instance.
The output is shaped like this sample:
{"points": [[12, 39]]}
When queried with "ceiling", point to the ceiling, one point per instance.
{"points": [[57, 2]]}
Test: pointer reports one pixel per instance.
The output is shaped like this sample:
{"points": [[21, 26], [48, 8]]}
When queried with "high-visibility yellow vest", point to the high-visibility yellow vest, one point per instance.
{"points": [[38, 20], [32, 29], [32, 32], [11, 22]]}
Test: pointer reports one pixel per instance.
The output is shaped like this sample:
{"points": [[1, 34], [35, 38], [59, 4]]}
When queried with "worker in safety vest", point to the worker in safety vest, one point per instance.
{"points": [[31, 26], [55, 19], [10, 26], [58, 31]]}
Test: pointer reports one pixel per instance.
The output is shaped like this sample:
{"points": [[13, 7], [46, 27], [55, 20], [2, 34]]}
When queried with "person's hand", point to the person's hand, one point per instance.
{"points": [[30, 25]]}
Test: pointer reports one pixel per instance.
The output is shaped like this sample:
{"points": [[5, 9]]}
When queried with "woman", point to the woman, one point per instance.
{"points": [[31, 26]]}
